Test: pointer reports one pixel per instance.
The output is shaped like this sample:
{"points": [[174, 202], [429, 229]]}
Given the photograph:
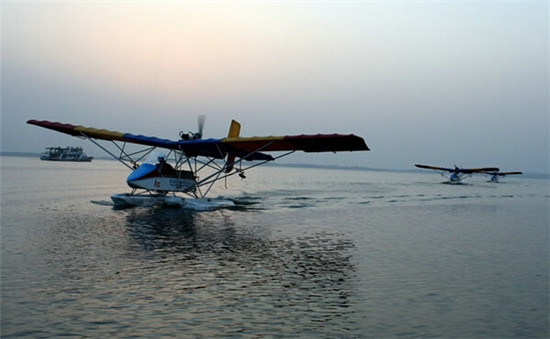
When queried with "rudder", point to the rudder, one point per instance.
{"points": [[234, 132]]}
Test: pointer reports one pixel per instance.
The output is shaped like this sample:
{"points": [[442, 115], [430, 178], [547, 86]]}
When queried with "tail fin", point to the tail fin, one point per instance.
{"points": [[234, 132], [234, 129]]}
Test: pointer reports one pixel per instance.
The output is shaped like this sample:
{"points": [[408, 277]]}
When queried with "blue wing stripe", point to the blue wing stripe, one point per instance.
{"points": [[202, 147], [152, 141]]}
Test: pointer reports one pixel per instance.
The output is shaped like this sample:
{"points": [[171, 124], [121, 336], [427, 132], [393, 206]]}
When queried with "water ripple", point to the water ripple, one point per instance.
{"points": [[200, 273]]}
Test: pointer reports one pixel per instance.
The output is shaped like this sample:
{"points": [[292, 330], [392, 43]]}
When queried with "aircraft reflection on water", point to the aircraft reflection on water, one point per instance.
{"points": [[321, 260]]}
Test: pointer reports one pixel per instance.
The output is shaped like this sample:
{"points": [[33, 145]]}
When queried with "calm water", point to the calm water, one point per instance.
{"points": [[306, 253]]}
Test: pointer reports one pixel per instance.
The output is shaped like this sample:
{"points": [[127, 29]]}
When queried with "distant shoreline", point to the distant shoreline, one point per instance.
{"points": [[296, 165]]}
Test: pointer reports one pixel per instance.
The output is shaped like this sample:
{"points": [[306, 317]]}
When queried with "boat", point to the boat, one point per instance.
{"points": [[65, 154]]}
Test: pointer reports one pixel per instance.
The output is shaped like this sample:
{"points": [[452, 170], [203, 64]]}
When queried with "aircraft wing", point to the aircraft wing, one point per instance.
{"points": [[249, 148], [435, 168], [504, 173], [479, 170], [306, 143], [460, 170]]}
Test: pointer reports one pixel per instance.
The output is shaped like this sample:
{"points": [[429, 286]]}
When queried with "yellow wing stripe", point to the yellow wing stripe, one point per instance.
{"points": [[100, 133]]}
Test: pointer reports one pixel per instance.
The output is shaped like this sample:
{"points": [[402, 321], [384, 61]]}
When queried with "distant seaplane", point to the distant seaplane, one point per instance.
{"points": [[457, 174], [495, 176], [196, 164]]}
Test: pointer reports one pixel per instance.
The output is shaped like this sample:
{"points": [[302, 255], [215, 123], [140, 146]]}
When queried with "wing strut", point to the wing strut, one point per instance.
{"points": [[123, 155], [208, 181], [109, 152]]}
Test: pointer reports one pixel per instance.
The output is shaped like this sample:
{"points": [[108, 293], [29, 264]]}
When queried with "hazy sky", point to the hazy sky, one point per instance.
{"points": [[432, 82]]}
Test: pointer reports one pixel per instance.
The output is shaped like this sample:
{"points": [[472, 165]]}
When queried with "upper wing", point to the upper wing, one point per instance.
{"points": [[504, 173], [461, 170], [435, 168], [78, 131], [306, 143], [479, 170], [193, 147], [247, 148]]}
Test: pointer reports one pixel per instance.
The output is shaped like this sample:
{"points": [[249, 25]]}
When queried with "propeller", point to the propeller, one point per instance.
{"points": [[197, 135]]}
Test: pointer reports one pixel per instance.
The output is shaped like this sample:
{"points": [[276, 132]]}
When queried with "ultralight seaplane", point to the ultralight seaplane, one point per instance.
{"points": [[457, 174], [495, 176], [193, 164]]}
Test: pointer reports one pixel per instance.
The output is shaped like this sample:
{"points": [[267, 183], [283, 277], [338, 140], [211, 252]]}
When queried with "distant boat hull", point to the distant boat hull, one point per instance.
{"points": [[87, 159], [73, 154]]}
